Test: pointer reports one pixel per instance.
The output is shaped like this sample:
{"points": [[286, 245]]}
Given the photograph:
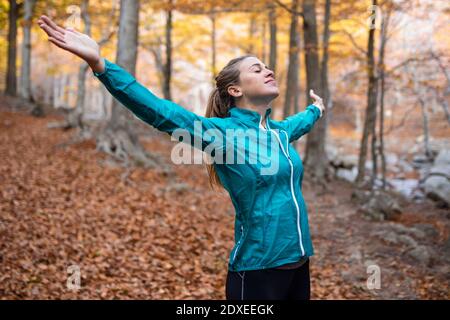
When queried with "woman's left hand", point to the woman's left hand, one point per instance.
{"points": [[317, 101]]}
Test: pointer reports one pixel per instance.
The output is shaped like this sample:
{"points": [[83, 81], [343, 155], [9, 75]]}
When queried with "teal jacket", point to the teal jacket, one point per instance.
{"points": [[271, 221]]}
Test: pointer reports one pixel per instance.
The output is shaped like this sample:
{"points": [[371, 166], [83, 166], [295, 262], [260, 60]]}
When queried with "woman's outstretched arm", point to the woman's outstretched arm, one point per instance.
{"points": [[162, 114], [301, 123]]}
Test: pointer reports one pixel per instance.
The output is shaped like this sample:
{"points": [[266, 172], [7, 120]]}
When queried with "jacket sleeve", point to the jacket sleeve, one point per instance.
{"points": [[162, 114], [301, 123]]}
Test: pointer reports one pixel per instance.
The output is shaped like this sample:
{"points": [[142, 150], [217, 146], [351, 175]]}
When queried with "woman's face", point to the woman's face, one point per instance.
{"points": [[257, 82]]}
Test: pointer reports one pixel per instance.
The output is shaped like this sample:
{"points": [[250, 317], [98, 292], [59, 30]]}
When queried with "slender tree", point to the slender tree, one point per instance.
{"points": [[382, 83], [316, 158], [370, 118], [292, 81], [168, 64], [25, 88], [119, 137], [273, 38], [11, 76], [212, 16]]}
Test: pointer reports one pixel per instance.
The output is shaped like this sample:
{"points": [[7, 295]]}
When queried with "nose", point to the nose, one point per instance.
{"points": [[270, 73]]}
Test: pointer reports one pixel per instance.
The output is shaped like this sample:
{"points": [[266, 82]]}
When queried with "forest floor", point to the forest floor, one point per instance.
{"points": [[152, 234]]}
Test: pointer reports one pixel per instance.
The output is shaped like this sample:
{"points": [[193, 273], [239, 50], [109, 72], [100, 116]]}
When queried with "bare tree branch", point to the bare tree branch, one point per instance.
{"points": [[234, 7], [402, 121], [405, 63], [352, 39], [112, 30], [441, 66], [285, 7]]}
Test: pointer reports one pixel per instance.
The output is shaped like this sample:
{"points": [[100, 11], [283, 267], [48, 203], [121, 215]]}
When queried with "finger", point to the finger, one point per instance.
{"points": [[52, 33], [47, 30], [53, 25], [315, 96], [58, 43]]}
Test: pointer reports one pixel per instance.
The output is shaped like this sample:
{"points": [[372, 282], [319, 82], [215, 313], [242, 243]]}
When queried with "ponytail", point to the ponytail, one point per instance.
{"points": [[220, 102], [217, 107]]}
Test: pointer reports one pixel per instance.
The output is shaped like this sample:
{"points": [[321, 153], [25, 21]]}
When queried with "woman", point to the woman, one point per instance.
{"points": [[270, 256]]}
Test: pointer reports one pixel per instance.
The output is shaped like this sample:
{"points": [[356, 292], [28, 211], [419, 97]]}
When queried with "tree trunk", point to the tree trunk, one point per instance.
{"points": [[443, 99], [11, 77], [371, 103], [118, 138], [421, 93], [25, 88], [324, 71], [292, 83], [273, 39], [383, 40], [263, 40], [213, 47], [426, 130], [444, 105], [74, 119], [324, 63], [168, 66], [381, 129], [316, 158], [373, 141], [251, 34], [60, 84], [157, 53]]}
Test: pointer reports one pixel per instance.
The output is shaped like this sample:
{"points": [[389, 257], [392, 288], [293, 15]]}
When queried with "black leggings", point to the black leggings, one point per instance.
{"points": [[269, 284]]}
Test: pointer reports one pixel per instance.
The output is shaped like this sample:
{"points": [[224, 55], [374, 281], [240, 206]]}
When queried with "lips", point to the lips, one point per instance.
{"points": [[270, 81]]}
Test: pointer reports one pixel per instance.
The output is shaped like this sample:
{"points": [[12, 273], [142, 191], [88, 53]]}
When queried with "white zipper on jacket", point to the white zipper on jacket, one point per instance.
{"points": [[292, 186]]}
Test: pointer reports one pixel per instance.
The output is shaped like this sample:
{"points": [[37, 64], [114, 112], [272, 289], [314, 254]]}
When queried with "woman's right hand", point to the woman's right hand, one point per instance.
{"points": [[317, 101], [73, 41]]}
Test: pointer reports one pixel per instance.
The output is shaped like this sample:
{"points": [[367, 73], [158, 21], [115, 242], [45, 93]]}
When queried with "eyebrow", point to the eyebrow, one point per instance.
{"points": [[257, 64]]}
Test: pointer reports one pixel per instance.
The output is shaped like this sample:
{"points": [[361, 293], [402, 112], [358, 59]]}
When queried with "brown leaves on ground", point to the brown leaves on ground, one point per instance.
{"points": [[153, 235]]}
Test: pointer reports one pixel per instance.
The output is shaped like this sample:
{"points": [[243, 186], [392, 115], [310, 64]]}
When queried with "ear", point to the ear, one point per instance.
{"points": [[234, 91]]}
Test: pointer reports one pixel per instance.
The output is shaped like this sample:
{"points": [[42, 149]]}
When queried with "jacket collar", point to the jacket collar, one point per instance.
{"points": [[248, 114]]}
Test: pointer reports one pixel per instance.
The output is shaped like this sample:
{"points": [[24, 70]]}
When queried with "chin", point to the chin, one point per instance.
{"points": [[266, 94], [274, 93], [269, 92]]}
